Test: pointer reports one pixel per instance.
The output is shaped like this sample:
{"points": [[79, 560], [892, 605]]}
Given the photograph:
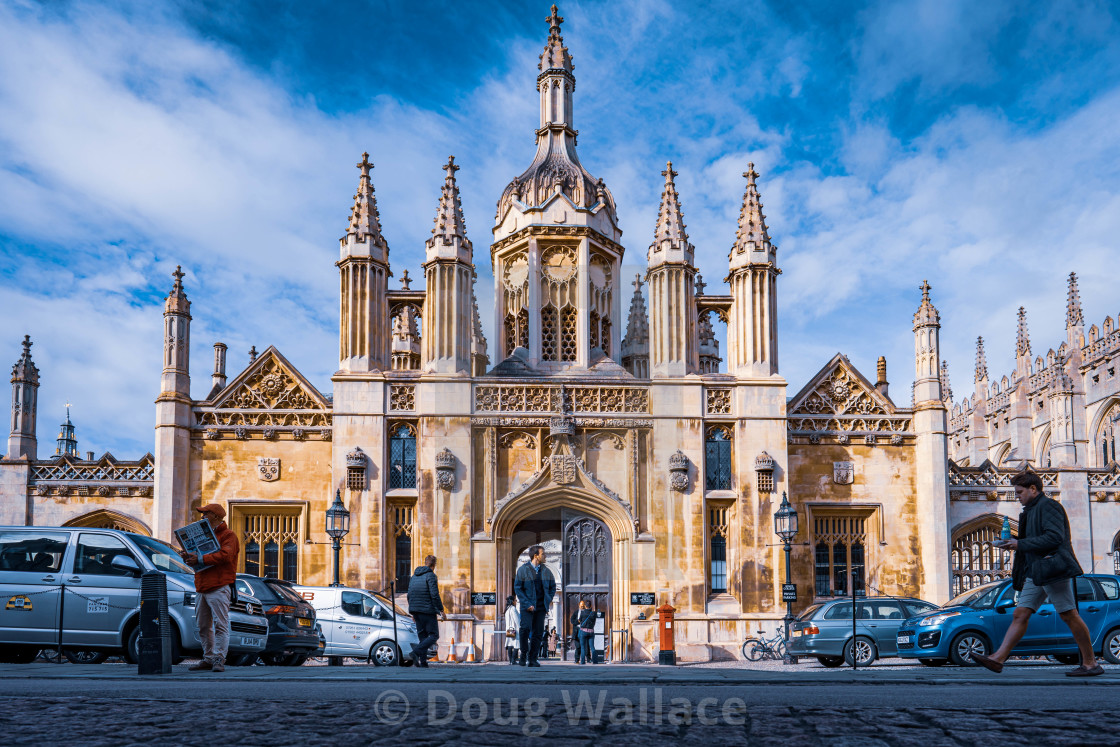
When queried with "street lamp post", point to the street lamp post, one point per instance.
{"points": [[338, 526], [785, 526]]}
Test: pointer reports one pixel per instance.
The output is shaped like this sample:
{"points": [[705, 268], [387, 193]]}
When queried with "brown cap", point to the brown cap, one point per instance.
{"points": [[213, 508]]}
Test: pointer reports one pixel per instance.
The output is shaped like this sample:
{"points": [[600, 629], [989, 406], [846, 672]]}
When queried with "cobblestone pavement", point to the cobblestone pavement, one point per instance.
{"points": [[97, 721]]}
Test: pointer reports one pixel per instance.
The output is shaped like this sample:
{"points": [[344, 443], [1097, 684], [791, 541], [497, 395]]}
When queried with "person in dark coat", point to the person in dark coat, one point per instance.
{"points": [[535, 586], [584, 623], [424, 604], [1045, 568]]}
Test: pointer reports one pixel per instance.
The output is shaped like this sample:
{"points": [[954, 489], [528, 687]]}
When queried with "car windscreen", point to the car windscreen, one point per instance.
{"points": [[263, 591], [284, 592], [808, 613], [983, 596], [389, 605], [161, 555]]}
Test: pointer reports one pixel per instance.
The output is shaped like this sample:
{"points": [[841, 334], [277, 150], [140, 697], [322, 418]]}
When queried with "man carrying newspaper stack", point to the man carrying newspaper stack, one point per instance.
{"points": [[213, 585]]}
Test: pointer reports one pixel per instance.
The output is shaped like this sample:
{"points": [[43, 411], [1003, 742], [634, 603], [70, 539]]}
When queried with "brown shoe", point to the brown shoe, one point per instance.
{"points": [[202, 666], [1082, 671], [218, 666], [990, 664]]}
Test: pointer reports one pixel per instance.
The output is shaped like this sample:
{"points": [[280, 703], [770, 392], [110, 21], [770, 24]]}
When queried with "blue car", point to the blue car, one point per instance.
{"points": [[975, 622]]}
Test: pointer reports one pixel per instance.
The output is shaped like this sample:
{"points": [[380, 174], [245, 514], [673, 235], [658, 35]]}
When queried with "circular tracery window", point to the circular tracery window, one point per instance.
{"points": [[559, 264]]}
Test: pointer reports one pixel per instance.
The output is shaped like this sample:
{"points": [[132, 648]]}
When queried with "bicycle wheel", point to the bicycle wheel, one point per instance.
{"points": [[779, 649], [747, 646], [758, 651]]}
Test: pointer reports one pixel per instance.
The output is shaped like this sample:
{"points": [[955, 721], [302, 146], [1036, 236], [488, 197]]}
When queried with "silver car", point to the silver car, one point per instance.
{"points": [[825, 630], [84, 584], [359, 623]]}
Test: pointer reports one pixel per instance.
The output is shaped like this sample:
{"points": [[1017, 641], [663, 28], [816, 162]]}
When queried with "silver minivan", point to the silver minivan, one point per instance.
{"points": [[359, 623], [85, 584]]}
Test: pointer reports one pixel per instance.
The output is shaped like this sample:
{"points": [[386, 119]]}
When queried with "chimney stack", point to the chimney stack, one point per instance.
{"points": [[219, 377], [881, 375]]}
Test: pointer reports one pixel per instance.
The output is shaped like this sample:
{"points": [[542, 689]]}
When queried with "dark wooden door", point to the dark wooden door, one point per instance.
{"points": [[587, 574]]}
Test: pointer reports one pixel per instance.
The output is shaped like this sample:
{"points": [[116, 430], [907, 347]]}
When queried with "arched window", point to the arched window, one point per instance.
{"points": [[1106, 435], [976, 560], [271, 538], [840, 542], [1044, 452], [558, 304], [717, 458], [402, 457]]}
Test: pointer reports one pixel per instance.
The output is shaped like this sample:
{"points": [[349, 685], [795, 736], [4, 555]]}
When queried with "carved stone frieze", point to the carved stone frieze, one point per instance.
{"points": [[548, 398]]}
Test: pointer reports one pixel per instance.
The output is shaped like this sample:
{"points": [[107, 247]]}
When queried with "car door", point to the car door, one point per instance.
{"points": [[351, 627], [30, 584], [1039, 635], [1092, 608], [886, 618], [98, 597]]}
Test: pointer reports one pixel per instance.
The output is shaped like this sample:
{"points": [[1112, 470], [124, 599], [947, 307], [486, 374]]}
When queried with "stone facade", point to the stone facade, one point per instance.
{"points": [[641, 467]]}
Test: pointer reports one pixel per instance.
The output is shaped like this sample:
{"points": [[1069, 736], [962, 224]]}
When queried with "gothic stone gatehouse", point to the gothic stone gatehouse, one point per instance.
{"points": [[621, 446]]}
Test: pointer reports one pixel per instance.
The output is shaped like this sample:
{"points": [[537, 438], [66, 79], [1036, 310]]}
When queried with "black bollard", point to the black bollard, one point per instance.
{"points": [[155, 625]]}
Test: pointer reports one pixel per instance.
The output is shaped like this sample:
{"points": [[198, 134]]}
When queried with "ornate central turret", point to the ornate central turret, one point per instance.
{"points": [[556, 255]]}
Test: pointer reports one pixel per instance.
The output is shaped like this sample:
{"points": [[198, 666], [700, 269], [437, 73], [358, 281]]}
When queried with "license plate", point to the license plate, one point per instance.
{"points": [[304, 622], [904, 639], [250, 641]]}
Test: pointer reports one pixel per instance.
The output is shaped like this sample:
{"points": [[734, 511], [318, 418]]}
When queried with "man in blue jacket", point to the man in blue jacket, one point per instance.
{"points": [[535, 586]]}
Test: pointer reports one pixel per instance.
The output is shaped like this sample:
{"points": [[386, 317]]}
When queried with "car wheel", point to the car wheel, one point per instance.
{"points": [[1111, 647], [85, 657], [241, 660], [934, 662], [864, 651], [964, 646], [831, 661], [1067, 658], [297, 660], [18, 654], [383, 654]]}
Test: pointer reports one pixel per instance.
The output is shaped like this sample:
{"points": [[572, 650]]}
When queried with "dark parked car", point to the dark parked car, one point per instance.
{"points": [[825, 630], [975, 623], [292, 632]]}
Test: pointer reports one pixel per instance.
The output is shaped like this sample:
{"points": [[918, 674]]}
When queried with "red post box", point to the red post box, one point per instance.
{"points": [[668, 654]]}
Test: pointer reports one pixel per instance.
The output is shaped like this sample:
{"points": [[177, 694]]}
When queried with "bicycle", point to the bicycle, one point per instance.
{"points": [[757, 649]]}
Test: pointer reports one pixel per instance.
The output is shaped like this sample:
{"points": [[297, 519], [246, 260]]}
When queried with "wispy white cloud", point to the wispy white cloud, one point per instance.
{"points": [[130, 143]]}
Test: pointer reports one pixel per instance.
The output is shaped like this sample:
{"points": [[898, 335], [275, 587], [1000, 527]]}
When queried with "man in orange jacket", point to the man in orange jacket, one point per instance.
{"points": [[214, 592]]}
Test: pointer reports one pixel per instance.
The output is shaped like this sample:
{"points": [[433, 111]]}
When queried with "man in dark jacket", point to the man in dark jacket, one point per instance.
{"points": [[1044, 569], [424, 604], [535, 586], [213, 585]]}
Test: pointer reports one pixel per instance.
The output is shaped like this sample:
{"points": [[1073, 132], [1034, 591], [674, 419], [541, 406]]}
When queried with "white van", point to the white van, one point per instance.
{"points": [[86, 582], [359, 623]]}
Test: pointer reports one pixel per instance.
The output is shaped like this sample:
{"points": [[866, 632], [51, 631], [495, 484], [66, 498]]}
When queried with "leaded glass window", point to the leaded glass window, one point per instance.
{"points": [[717, 459], [402, 457]]}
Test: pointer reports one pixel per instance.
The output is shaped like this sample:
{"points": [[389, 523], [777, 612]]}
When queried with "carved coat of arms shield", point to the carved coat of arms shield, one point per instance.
{"points": [[843, 473], [268, 469]]}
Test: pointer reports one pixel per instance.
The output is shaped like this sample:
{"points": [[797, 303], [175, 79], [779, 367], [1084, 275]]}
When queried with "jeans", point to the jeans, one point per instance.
{"points": [[586, 649], [532, 630], [427, 630], [211, 613]]}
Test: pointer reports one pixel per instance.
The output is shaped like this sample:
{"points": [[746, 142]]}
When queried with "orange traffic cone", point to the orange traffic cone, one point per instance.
{"points": [[470, 653], [451, 652]]}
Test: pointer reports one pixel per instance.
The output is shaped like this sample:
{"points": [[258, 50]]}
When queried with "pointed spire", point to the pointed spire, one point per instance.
{"points": [[450, 228], [67, 443], [1022, 336], [1073, 304], [946, 389], [752, 234], [637, 326], [555, 55], [981, 360], [24, 370], [365, 222], [700, 284], [176, 301], [670, 232], [926, 314]]}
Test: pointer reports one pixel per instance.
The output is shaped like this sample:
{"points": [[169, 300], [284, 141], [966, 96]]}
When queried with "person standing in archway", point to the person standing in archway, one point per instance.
{"points": [[512, 626], [535, 586]]}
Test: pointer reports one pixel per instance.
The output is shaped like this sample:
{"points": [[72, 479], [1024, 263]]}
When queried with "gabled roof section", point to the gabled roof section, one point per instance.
{"points": [[271, 383], [840, 389]]}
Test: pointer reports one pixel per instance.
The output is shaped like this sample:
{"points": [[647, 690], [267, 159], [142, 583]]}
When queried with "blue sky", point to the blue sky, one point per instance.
{"points": [[973, 144]]}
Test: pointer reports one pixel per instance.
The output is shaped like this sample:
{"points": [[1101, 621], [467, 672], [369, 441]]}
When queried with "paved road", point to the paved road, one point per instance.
{"points": [[494, 704]]}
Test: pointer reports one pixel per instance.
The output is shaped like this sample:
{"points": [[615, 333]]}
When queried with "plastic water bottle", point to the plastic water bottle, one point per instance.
{"points": [[1005, 533]]}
